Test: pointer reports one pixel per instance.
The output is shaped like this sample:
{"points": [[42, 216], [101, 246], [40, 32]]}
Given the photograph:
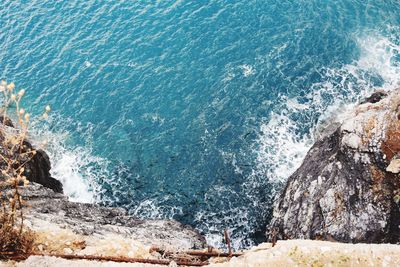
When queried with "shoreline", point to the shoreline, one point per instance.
{"points": [[72, 228]]}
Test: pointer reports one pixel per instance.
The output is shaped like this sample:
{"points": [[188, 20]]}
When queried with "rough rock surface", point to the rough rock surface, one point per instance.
{"points": [[38, 171], [53, 210], [348, 187], [38, 168], [317, 253]]}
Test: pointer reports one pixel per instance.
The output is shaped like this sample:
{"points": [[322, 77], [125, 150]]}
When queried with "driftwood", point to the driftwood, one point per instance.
{"points": [[106, 258], [179, 260], [212, 254], [177, 257]]}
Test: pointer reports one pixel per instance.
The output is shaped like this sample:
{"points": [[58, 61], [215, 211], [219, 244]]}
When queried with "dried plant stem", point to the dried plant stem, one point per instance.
{"points": [[14, 156]]}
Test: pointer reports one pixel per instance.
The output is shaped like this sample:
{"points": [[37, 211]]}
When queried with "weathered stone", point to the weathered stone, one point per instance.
{"points": [[6, 121], [48, 207], [375, 97], [38, 168], [345, 190], [394, 166]]}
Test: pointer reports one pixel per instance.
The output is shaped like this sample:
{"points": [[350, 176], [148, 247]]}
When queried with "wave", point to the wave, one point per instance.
{"points": [[155, 209], [284, 139], [283, 143], [76, 166]]}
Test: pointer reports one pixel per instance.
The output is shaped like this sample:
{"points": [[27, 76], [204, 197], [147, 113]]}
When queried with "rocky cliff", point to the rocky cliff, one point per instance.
{"points": [[38, 168], [348, 186], [60, 222]]}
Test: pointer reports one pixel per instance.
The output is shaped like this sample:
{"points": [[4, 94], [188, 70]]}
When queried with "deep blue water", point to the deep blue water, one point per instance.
{"points": [[192, 110]]}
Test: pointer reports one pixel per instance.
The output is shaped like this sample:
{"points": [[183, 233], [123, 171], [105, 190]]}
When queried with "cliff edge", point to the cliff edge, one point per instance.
{"points": [[348, 186]]}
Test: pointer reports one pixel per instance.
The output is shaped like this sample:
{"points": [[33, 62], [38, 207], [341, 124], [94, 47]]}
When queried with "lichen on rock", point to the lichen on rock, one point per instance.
{"points": [[346, 188], [394, 166]]}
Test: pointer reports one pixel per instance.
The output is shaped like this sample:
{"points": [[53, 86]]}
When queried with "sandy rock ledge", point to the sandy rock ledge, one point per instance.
{"points": [[285, 253]]}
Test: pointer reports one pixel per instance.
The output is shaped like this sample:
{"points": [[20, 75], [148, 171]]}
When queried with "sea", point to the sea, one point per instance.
{"points": [[196, 111]]}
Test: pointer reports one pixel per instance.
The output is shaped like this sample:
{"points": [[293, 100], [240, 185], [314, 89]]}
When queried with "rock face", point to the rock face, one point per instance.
{"points": [[348, 187], [38, 168], [38, 171], [48, 209]]}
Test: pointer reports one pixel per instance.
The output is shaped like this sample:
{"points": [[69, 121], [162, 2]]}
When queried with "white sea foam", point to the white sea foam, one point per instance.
{"points": [[67, 170], [288, 133], [281, 147], [247, 70], [381, 56], [155, 209], [377, 67], [281, 150], [88, 64], [72, 168], [76, 167], [212, 222]]}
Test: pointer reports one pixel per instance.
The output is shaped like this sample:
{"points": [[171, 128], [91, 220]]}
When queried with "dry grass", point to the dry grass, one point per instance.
{"points": [[15, 238]]}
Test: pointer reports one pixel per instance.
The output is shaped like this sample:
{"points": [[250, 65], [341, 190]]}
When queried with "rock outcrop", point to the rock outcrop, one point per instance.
{"points": [[38, 168], [348, 187], [50, 210]]}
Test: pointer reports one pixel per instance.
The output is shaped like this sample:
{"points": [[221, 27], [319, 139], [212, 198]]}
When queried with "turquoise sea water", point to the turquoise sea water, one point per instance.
{"points": [[192, 110]]}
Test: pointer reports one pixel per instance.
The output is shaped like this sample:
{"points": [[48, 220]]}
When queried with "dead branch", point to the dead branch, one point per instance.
{"points": [[107, 258], [198, 253], [213, 254]]}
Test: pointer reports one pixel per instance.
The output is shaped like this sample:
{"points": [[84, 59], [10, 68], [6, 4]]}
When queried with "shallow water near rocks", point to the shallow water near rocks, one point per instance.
{"points": [[191, 110]]}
